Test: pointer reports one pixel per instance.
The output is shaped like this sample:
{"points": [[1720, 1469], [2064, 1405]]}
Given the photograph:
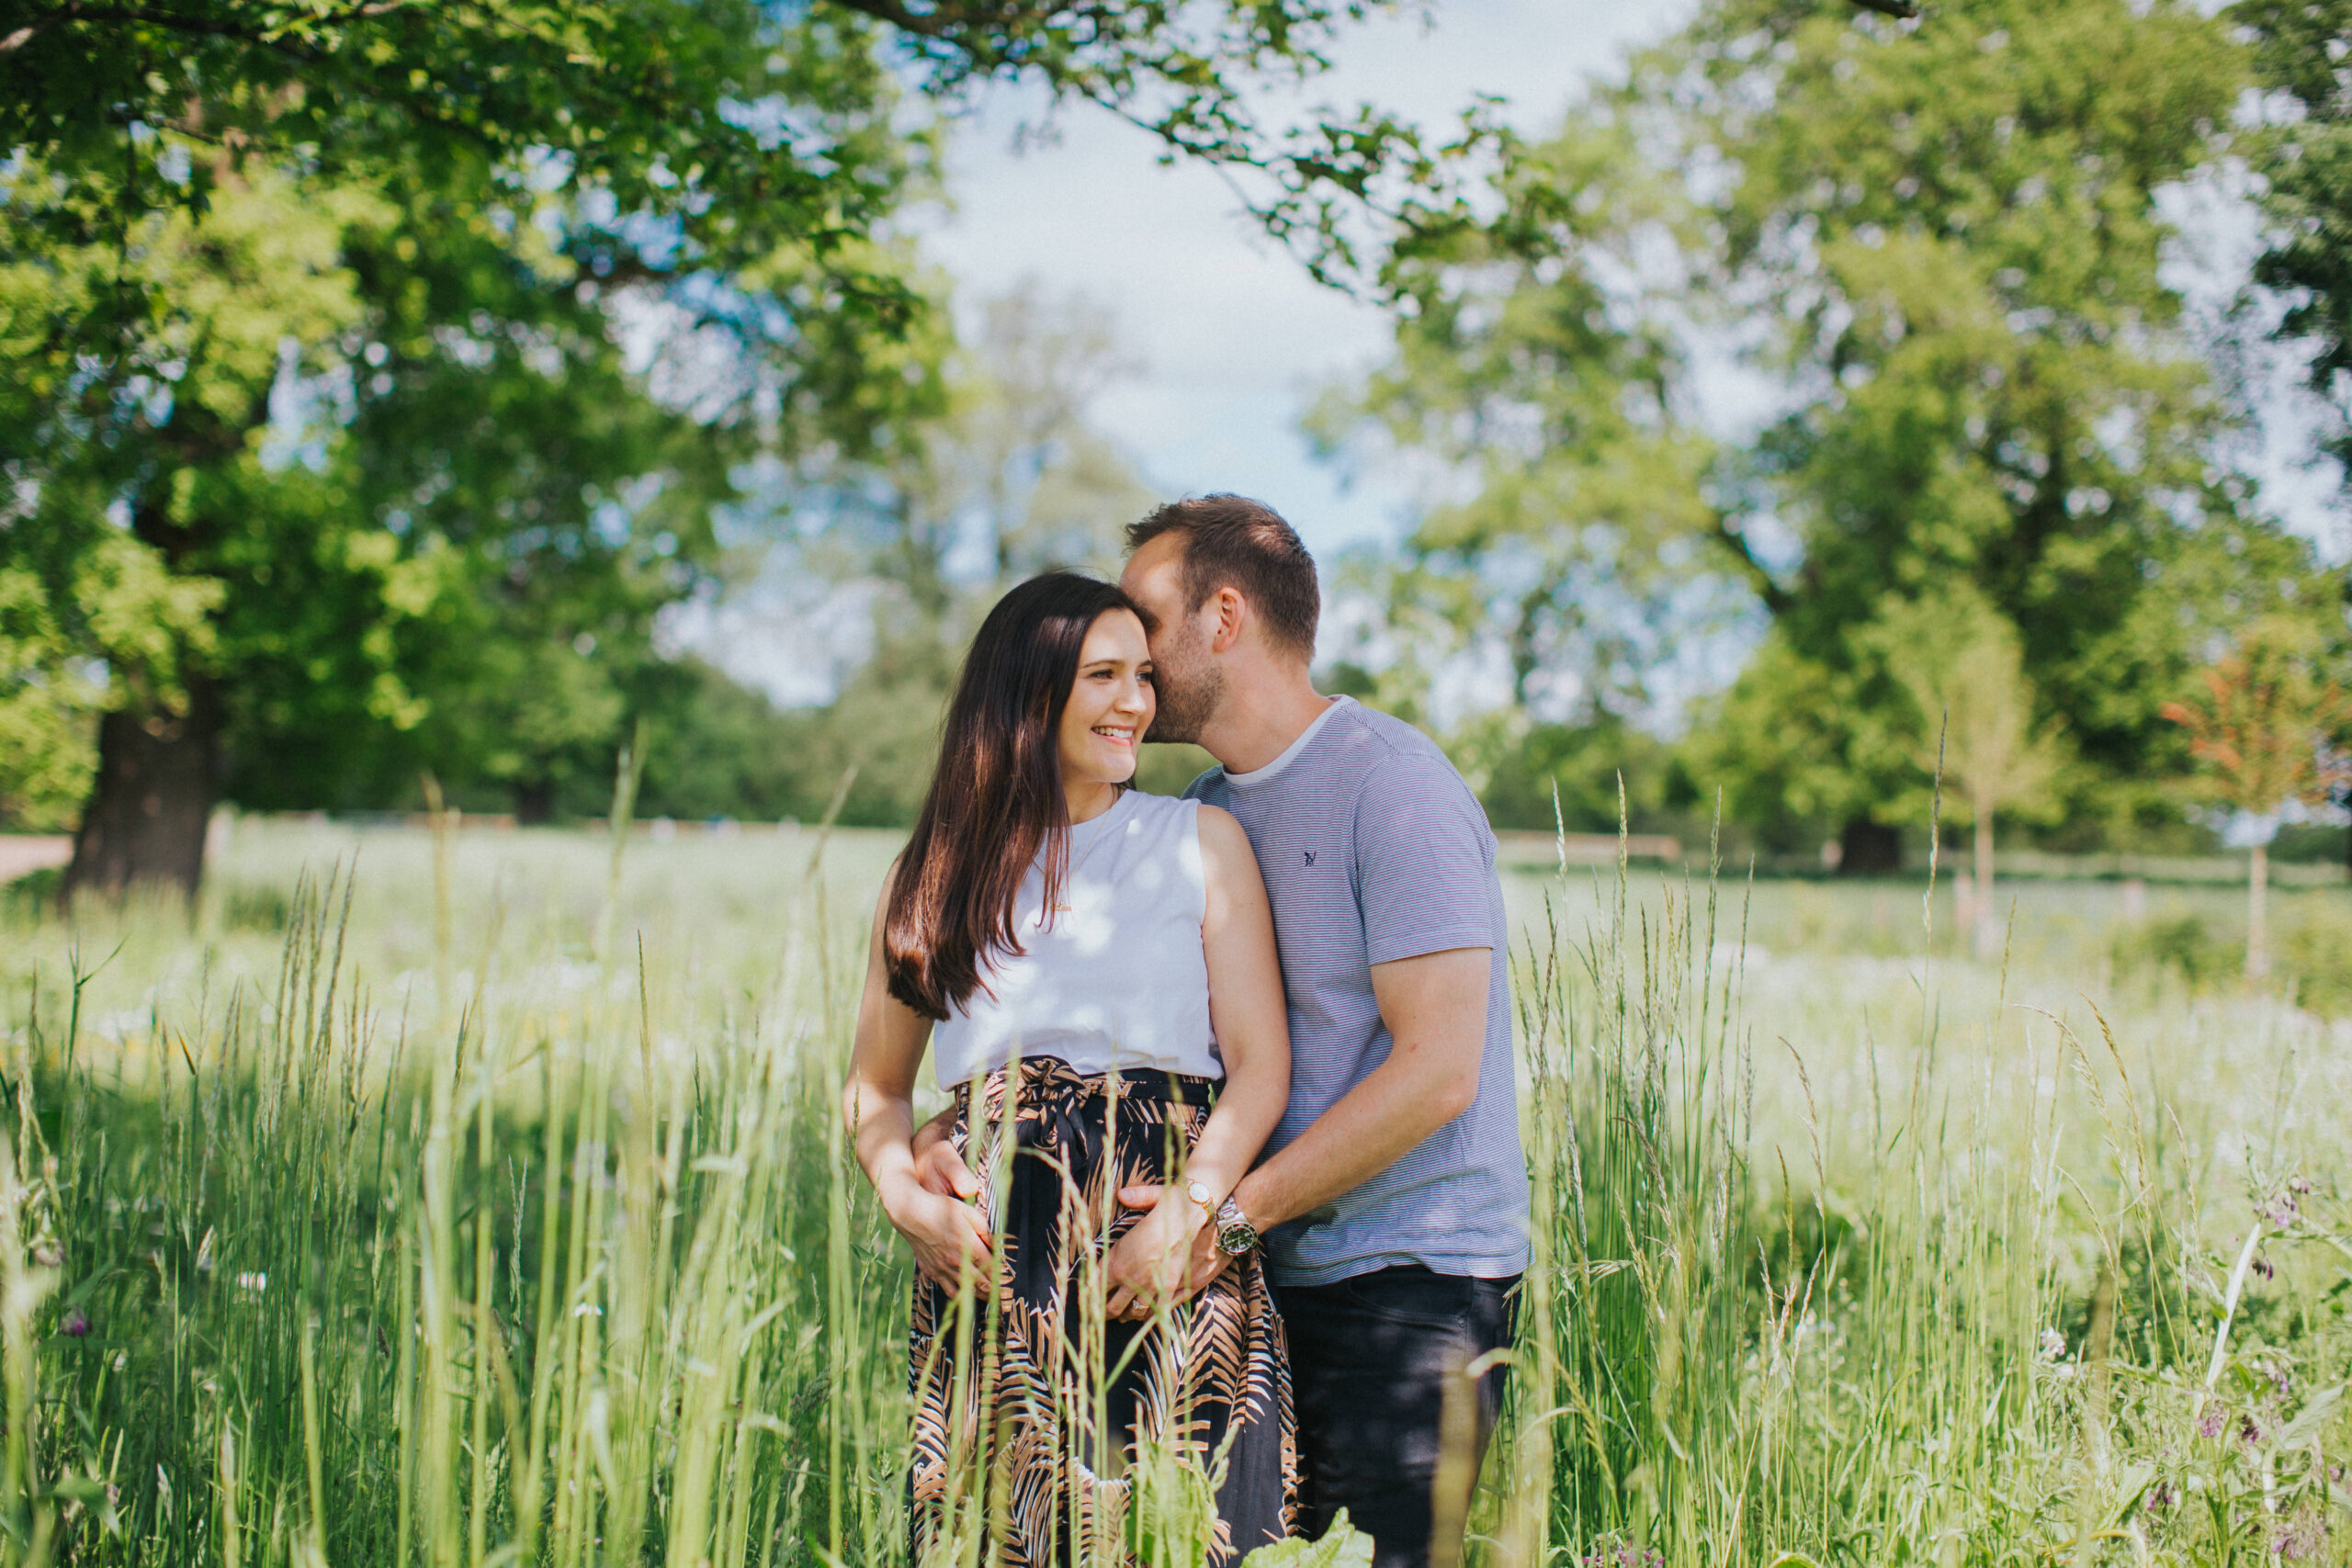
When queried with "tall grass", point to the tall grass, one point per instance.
{"points": [[1945, 1341], [547, 1256]]}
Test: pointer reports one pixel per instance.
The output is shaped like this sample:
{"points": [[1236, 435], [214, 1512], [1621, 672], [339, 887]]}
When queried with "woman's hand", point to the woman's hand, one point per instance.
{"points": [[949, 1236], [1149, 1264]]}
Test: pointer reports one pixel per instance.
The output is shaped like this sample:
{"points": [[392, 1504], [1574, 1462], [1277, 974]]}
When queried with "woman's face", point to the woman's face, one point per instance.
{"points": [[1110, 703]]}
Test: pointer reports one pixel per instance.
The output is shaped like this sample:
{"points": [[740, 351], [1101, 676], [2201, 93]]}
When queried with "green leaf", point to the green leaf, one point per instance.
{"points": [[2312, 1417], [1342, 1546]]}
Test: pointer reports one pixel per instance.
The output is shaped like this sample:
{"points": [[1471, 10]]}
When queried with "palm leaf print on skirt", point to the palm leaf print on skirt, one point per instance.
{"points": [[1053, 1436]]}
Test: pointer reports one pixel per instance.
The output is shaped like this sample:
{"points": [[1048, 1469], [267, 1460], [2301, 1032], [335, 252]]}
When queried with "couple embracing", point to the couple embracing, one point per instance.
{"points": [[1231, 1175]]}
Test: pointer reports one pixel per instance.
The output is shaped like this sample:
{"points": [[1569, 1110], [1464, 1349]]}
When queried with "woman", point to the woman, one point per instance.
{"points": [[1095, 970]]}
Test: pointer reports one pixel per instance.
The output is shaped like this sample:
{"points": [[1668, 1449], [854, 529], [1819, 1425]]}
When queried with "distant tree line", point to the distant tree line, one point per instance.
{"points": [[381, 379], [1987, 529]]}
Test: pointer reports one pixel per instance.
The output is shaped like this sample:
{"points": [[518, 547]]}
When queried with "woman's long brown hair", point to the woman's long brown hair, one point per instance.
{"points": [[996, 799]]}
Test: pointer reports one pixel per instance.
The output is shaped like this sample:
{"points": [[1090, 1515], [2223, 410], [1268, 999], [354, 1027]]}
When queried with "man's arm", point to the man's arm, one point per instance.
{"points": [[1435, 1008]]}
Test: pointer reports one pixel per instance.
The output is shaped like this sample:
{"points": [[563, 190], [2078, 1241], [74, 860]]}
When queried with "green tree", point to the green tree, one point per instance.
{"points": [[2300, 47], [1959, 660], [1011, 479], [1939, 244], [2262, 720], [47, 745], [1959, 226], [318, 323], [1536, 394], [2306, 167]]}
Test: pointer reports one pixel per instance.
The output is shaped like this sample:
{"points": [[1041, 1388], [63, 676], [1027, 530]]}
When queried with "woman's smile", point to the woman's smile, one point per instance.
{"points": [[1109, 708]]}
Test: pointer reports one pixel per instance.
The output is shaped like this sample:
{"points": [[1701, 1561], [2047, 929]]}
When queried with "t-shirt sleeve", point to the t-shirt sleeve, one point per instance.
{"points": [[1425, 862]]}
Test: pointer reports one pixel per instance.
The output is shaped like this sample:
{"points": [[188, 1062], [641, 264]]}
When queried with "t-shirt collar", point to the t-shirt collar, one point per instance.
{"points": [[1290, 752]]}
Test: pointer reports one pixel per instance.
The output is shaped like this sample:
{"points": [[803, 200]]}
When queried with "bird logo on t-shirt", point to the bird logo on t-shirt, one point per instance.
{"points": [[1309, 854]]}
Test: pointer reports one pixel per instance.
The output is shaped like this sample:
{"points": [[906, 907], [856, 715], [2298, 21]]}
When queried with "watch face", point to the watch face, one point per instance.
{"points": [[1198, 1193], [1234, 1237]]}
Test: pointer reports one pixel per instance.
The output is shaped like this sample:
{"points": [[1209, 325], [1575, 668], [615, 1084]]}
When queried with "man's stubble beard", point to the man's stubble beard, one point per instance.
{"points": [[1189, 689]]}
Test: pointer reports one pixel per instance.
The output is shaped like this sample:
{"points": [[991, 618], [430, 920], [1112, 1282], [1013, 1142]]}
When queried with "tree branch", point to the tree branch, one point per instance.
{"points": [[1777, 599]]}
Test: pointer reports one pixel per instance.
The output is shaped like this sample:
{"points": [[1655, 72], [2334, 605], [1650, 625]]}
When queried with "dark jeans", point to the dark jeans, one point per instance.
{"points": [[1370, 1357]]}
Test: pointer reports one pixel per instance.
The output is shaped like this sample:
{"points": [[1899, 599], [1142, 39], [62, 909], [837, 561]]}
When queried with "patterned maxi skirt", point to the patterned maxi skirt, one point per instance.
{"points": [[1036, 1421]]}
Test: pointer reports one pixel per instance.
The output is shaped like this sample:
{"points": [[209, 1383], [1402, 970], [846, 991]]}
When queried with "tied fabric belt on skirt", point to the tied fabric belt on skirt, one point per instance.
{"points": [[1074, 1403]]}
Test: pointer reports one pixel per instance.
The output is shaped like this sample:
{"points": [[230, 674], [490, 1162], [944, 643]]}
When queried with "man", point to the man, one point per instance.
{"points": [[1392, 1198]]}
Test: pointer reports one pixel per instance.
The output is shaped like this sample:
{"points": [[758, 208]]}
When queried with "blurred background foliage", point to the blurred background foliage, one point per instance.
{"points": [[393, 394]]}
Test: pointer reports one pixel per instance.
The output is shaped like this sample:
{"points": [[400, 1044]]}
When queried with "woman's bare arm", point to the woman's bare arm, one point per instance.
{"points": [[877, 1104]]}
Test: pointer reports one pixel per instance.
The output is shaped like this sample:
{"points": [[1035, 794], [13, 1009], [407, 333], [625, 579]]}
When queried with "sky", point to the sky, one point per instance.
{"points": [[1233, 338]]}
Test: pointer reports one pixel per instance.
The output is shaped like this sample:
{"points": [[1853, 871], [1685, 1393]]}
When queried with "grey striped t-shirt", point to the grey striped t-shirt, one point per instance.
{"points": [[1374, 849]]}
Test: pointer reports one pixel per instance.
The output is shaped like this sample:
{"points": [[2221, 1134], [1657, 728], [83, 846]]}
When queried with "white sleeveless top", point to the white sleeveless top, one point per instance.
{"points": [[1116, 978]]}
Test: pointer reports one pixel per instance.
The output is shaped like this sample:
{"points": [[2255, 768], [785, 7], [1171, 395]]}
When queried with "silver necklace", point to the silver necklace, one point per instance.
{"points": [[1070, 873]]}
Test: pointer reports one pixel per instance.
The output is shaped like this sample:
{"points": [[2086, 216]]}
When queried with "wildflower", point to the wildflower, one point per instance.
{"points": [[49, 1254], [76, 1324], [2160, 1497], [2299, 1184], [2281, 1211], [2262, 1267], [2303, 1536], [2053, 1344], [257, 1282], [2210, 1423], [2247, 1430]]}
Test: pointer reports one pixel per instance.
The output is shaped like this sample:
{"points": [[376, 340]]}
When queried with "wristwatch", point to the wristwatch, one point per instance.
{"points": [[1234, 1233]]}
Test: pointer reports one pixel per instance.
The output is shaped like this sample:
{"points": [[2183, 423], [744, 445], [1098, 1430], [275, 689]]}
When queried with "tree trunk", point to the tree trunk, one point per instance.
{"points": [[1988, 915], [152, 797], [1868, 849], [2257, 924], [535, 803]]}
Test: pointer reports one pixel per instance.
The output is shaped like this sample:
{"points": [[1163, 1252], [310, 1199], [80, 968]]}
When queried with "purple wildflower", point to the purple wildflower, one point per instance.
{"points": [[76, 1324]]}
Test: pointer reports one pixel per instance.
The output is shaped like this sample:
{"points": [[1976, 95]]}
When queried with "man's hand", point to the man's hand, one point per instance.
{"points": [[950, 1237], [937, 1165], [1205, 1260]]}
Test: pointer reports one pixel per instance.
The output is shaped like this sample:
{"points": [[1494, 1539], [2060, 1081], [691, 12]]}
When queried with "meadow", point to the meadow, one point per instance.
{"points": [[477, 1198]]}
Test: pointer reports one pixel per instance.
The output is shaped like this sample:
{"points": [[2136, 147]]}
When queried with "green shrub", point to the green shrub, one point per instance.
{"points": [[2315, 955], [2180, 943], [31, 894], [252, 906]]}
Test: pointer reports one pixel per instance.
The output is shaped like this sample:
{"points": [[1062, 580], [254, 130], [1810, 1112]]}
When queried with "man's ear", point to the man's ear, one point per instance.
{"points": [[1232, 617]]}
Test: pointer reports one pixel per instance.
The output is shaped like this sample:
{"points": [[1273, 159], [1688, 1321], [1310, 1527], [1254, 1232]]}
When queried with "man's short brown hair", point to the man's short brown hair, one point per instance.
{"points": [[1231, 541]]}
